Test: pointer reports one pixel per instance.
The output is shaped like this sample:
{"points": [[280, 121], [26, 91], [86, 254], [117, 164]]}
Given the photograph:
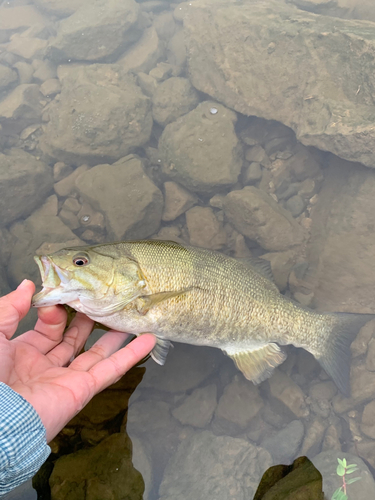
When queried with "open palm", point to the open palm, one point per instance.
{"points": [[41, 365]]}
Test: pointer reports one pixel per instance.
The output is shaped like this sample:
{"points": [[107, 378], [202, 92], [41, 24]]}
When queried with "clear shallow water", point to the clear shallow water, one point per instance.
{"points": [[127, 120]]}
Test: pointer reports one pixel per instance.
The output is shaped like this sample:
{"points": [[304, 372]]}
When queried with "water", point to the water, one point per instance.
{"points": [[129, 121]]}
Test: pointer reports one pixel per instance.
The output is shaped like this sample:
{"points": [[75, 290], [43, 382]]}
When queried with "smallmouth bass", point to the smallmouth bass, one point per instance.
{"points": [[196, 296]]}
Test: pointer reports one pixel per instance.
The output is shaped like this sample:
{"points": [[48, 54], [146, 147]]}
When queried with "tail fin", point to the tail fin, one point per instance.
{"points": [[336, 357]]}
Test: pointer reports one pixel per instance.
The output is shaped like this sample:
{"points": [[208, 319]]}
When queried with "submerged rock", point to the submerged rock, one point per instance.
{"points": [[96, 30], [200, 150], [177, 201], [342, 246], [205, 230], [21, 107], [104, 471], [173, 98], [301, 480], [130, 201], [24, 184], [276, 68], [198, 408], [101, 115], [238, 405], [285, 444], [209, 467], [256, 215]]}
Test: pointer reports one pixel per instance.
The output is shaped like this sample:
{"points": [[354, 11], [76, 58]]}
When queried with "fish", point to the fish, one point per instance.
{"points": [[197, 296]]}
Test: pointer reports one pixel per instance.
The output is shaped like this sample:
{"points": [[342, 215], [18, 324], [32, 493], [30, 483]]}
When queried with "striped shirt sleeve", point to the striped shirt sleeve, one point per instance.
{"points": [[23, 444]]}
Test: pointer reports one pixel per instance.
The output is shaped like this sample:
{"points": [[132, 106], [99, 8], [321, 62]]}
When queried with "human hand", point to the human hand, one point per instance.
{"points": [[37, 363]]}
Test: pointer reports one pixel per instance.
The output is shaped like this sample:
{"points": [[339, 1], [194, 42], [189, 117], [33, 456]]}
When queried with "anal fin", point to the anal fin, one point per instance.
{"points": [[160, 351], [257, 364]]}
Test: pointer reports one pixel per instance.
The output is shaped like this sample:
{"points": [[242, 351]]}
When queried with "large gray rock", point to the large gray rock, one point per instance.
{"points": [[284, 444], [348, 9], [208, 467], [200, 150], [130, 201], [101, 115], [104, 471], [326, 463], [96, 30], [341, 251], [256, 215], [275, 67], [24, 184]]}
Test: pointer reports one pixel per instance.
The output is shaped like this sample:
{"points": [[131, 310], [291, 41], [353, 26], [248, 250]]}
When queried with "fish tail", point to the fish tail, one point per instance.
{"points": [[336, 352]]}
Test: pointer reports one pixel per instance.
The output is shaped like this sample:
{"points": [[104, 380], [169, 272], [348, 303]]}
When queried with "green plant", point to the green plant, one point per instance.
{"points": [[343, 469]]}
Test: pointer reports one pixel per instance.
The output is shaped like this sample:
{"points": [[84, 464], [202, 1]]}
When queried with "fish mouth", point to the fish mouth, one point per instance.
{"points": [[53, 281]]}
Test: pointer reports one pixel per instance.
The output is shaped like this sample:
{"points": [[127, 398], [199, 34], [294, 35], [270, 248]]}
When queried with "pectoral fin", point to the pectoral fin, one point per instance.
{"points": [[258, 364], [146, 302], [160, 351]]}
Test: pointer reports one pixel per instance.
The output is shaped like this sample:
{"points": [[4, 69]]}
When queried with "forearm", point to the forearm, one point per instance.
{"points": [[23, 445]]}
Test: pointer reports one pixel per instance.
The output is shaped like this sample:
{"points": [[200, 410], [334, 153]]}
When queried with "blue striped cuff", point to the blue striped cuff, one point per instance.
{"points": [[23, 444]]}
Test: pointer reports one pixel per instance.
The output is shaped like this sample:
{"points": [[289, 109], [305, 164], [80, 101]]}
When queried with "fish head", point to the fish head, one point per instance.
{"points": [[97, 279]]}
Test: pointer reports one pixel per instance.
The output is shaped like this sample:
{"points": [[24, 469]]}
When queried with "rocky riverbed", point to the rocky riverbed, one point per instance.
{"points": [[243, 127]]}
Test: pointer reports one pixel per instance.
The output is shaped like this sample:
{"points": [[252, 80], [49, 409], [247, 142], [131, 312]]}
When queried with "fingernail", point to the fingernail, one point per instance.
{"points": [[22, 284]]}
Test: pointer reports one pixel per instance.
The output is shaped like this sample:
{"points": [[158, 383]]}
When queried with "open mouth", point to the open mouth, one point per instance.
{"points": [[53, 280]]}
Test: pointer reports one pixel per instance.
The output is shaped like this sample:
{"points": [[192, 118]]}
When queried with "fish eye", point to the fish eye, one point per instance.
{"points": [[80, 260]]}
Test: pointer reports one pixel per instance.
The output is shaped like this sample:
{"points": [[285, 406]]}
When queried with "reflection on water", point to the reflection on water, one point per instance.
{"points": [[244, 127]]}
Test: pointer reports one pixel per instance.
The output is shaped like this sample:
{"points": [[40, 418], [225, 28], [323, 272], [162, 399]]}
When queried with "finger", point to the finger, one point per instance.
{"points": [[109, 343], [48, 330], [73, 341], [14, 307], [108, 371]]}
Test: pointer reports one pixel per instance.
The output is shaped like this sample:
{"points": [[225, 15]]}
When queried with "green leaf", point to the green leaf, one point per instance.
{"points": [[341, 496], [340, 470], [351, 471], [351, 466], [353, 480], [341, 462]]}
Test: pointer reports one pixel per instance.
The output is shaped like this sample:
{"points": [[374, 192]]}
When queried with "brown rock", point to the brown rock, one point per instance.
{"points": [[314, 102], [104, 471], [256, 215], [177, 201], [362, 389], [368, 420], [200, 150], [360, 344], [288, 394], [342, 247], [238, 405], [204, 228], [66, 186], [112, 189], [313, 438], [198, 408], [331, 439], [21, 107]]}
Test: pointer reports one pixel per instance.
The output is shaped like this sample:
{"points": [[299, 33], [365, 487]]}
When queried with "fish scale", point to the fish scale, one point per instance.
{"points": [[197, 296]]}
